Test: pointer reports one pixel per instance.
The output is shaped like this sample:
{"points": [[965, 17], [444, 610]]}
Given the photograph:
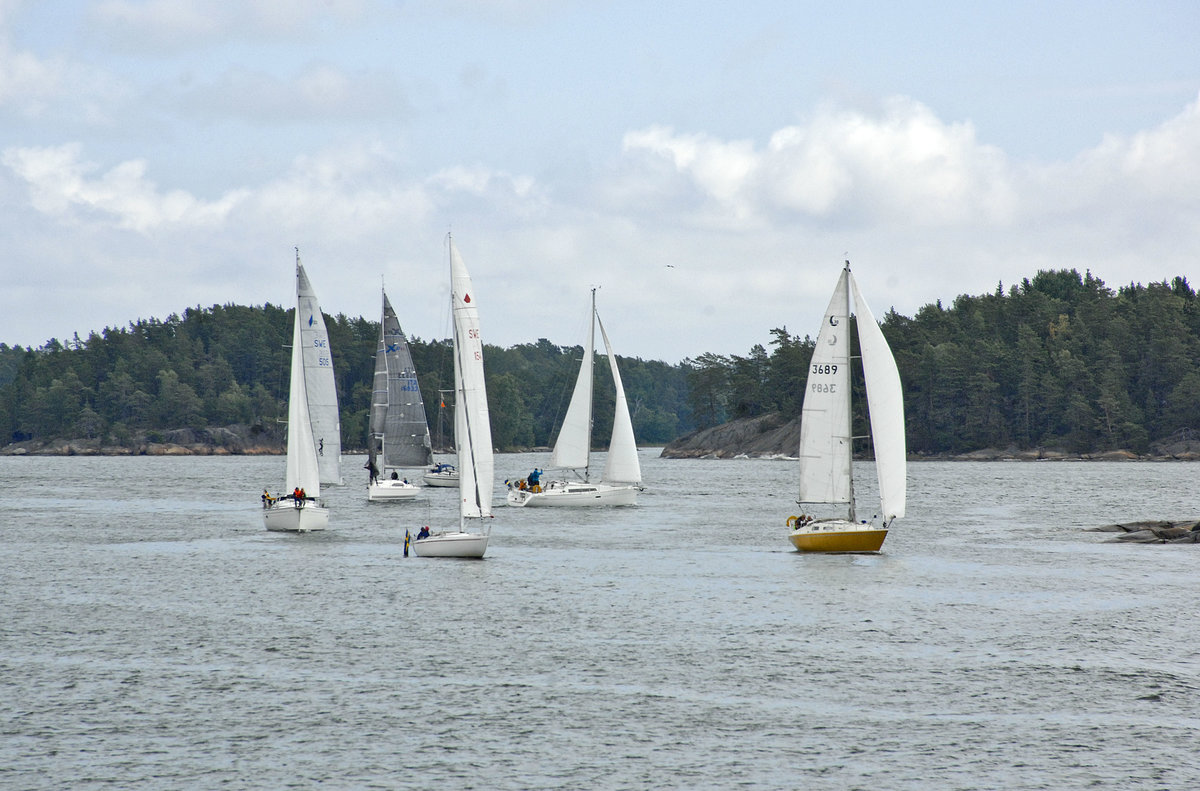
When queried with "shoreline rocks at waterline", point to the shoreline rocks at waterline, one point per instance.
{"points": [[1153, 532]]}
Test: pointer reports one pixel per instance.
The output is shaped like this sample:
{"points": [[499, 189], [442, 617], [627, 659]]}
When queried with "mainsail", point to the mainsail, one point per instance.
{"points": [[302, 472], [398, 424], [472, 429], [319, 382], [825, 441]]}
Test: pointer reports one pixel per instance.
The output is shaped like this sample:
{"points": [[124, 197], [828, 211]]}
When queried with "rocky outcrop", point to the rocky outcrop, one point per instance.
{"points": [[771, 436], [1184, 444], [234, 440], [768, 436], [1153, 532]]}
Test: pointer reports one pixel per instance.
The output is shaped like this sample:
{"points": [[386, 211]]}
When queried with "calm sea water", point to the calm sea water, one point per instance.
{"points": [[154, 635]]}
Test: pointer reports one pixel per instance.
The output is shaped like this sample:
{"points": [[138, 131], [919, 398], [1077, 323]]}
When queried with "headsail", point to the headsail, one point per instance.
{"points": [[885, 402], [574, 442], [622, 463]]}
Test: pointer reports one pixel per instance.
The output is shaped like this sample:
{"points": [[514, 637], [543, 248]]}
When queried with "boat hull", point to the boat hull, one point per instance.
{"points": [[451, 545], [563, 494], [285, 517], [386, 491], [442, 479], [838, 536]]}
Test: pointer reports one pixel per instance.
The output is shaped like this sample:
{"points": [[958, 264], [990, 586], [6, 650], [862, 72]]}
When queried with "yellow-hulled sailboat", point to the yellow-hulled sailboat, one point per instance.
{"points": [[826, 441]]}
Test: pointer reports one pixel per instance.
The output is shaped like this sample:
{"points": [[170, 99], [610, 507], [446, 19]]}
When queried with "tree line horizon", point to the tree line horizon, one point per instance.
{"points": [[1059, 360]]}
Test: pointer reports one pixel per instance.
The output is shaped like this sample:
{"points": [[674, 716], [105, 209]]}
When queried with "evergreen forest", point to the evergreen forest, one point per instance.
{"points": [[228, 366], [1057, 361]]}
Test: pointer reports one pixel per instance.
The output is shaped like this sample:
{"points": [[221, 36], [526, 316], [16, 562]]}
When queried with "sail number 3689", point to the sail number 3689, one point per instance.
{"points": [[824, 368], [820, 387]]}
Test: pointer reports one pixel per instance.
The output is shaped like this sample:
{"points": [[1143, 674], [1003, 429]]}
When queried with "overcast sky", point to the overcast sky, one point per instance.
{"points": [[707, 165]]}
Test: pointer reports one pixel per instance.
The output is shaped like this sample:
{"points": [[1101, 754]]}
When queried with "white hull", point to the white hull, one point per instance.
{"points": [[445, 479], [565, 494], [389, 491], [285, 516], [451, 545]]}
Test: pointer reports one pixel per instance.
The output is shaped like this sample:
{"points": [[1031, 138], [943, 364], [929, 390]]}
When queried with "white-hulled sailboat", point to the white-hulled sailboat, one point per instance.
{"points": [[319, 382], [472, 430], [292, 513], [826, 442], [399, 431], [621, 479]]}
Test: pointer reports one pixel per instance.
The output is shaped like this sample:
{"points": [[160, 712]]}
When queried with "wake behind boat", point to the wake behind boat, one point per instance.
{"points": [[826, 441], [621, 479], [301, 510], [472, 430]]}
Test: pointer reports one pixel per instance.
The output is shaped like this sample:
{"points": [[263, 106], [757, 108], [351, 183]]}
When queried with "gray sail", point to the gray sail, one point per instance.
{"points": [[399, 430]]}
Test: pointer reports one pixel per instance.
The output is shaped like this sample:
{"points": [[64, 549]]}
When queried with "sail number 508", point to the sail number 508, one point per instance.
{"points": [[824, 368]]}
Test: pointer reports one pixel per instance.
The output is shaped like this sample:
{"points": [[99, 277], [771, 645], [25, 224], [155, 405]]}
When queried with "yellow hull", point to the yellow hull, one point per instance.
{"points": [[838, 540]]}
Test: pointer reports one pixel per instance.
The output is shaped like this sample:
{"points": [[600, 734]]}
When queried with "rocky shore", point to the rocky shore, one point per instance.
{"points": [[770, 436], [1153, 532], [222, 441]]}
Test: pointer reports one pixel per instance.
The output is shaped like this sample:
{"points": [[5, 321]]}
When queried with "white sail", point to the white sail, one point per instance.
{"points": [[302, 469], [472, 429], [622, 463], [885, 402], [574, 443], [319, 381], [825, 440], [620, 480]]}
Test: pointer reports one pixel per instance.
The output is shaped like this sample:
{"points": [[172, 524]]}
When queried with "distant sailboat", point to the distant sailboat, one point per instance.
{"points": [[621, 479], [319, 381], [442, 474], [826, 452], [291, 512], [399, 431], [472, 429]]}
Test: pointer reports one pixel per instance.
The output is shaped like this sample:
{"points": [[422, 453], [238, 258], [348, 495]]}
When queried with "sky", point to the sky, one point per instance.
{"points": [[706, 166]]}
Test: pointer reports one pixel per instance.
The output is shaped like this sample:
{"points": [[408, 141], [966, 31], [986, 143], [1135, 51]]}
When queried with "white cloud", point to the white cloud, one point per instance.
{"points": [[904, 165], [350, 190], [700, 243], [60, 183]]}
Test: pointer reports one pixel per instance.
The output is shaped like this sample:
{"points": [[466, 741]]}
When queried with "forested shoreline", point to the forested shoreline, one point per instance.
{"points": [[219, 376], [1059, 361]]}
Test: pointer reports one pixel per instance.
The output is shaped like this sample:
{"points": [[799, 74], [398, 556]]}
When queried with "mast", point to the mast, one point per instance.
{"points": [[591, 390], [850, 438]]}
